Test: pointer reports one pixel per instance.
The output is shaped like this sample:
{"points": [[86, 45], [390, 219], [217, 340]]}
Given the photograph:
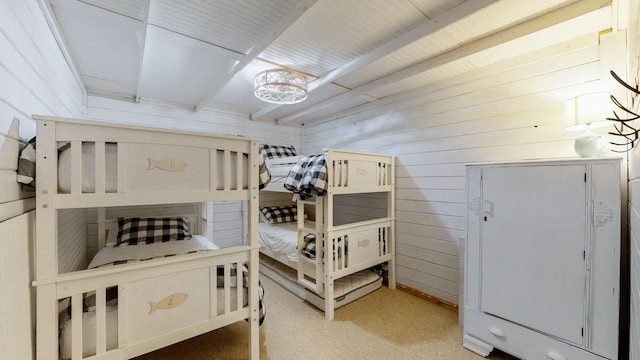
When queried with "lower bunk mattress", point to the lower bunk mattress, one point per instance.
{"points": [[346, 289]]}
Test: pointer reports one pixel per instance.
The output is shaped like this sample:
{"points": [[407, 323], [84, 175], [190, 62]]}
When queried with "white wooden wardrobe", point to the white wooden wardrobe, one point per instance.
{"points": [[542, 259]]}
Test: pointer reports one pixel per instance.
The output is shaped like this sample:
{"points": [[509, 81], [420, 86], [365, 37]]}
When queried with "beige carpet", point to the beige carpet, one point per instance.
{"points": [[387, 324]]}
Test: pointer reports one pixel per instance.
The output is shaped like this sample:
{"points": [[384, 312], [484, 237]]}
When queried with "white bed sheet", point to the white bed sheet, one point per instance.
{"points": [[280, 239], [111, 254]]}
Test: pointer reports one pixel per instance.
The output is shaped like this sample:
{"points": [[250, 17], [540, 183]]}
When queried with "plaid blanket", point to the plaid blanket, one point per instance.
{"points": [[263, 174], [27, 166], [308, 177]]}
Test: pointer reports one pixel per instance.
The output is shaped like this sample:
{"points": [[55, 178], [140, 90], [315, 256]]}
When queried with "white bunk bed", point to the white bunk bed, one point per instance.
{"points": [[329, 281], [162, 300]]}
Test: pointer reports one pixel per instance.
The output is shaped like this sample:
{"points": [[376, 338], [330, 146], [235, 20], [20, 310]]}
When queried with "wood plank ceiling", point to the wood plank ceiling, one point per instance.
{"points": [[205, 53]]}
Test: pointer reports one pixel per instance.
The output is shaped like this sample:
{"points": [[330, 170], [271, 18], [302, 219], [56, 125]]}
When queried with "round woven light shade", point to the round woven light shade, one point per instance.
{"points": [[280, 86]]}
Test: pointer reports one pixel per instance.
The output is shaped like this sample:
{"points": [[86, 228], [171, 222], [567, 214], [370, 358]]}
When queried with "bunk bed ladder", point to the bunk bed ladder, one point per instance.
{"points": [[317, 203]]}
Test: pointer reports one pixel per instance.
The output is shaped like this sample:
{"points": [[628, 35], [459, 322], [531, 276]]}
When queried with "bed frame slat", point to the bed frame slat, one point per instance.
{"points": [[213, 291], [227, 170], [239, 287], [213, 177], [101, 321], [239, 168], [227, 288], [76, 327], [100, 167], [122, 168], [76, 168]]}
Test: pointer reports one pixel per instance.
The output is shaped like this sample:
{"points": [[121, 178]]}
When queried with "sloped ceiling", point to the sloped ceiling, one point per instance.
{"points": [[205, 53]]}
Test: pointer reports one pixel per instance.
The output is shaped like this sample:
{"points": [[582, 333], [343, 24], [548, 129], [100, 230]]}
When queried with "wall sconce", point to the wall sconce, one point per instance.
{"points": [[585, 113]]}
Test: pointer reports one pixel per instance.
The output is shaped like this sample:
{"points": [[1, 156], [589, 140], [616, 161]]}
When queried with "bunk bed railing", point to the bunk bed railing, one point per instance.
{"points": [[364, 171], [134, 166], [77, 286], [358, 246]]}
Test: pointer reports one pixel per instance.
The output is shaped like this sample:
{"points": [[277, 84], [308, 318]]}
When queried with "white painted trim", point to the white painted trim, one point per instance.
{"points": [[47, 12]]}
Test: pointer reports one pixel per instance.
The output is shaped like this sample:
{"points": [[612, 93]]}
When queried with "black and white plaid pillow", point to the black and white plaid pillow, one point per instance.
{"points": [[276, 214], [276, 151], [136, 230]]}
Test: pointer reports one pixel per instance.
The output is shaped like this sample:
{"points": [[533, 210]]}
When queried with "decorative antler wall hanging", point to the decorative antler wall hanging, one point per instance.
{"points": [[623, 129]]}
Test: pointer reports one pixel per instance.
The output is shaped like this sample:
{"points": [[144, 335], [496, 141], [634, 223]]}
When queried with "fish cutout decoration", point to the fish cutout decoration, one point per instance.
{"points": [[362, 171], [169, 302], [363, 243], [167, 165]]}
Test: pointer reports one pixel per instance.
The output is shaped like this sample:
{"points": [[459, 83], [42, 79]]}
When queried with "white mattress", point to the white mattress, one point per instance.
{"points": [[281, 239], [111, 169], [111, 254]]}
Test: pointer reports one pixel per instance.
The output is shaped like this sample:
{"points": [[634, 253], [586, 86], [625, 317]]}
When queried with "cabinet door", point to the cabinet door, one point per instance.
{"points": [[533, 237]]}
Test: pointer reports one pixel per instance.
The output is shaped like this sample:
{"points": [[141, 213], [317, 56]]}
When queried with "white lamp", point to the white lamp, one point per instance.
{"points": [[588, 112]]}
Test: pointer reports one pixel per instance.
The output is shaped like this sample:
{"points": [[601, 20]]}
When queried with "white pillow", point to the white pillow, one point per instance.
{"points": [[112, 233]]}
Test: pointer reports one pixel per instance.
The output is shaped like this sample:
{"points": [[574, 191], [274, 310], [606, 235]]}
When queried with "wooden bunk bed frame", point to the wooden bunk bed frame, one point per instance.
{"points": [[369, 243], [226, 170]]}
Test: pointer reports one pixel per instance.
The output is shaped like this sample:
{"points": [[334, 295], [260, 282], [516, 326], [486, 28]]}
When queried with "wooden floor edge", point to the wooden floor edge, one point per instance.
{"points": [[434, 299]]}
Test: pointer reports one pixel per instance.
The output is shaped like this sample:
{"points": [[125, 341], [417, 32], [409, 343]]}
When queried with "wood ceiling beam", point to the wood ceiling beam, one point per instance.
{"points": [[280, 28], [415, 97], [560, 15], [48, 13], [463, 10], [143, 46]]}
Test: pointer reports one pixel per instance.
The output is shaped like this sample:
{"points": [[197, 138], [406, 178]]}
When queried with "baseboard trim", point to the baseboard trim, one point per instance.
{"points": [[434, 299]]}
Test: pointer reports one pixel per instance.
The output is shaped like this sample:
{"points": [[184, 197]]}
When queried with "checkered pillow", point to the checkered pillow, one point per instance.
{"points": [[309, 248], [275, 151], [276, 214], [136, 230]]}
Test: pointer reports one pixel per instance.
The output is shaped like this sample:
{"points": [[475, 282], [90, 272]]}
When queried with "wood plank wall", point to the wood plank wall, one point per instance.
{"points": [[501, 112], [511, 110], [36, 79], [634, 191]]}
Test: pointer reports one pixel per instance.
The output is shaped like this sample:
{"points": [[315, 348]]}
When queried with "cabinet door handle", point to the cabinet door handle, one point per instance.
{"points": [[555, 356], [487, 208], [498, 332]]}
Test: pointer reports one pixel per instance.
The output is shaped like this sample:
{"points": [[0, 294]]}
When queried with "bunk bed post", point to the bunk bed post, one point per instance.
{"points": [[328, 243], [46, 242], [252, 215], [391, 213]]}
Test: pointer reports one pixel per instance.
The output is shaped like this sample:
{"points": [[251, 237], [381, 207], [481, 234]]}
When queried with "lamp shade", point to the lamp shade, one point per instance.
{"points": [[279, 86], [586, 112]]}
